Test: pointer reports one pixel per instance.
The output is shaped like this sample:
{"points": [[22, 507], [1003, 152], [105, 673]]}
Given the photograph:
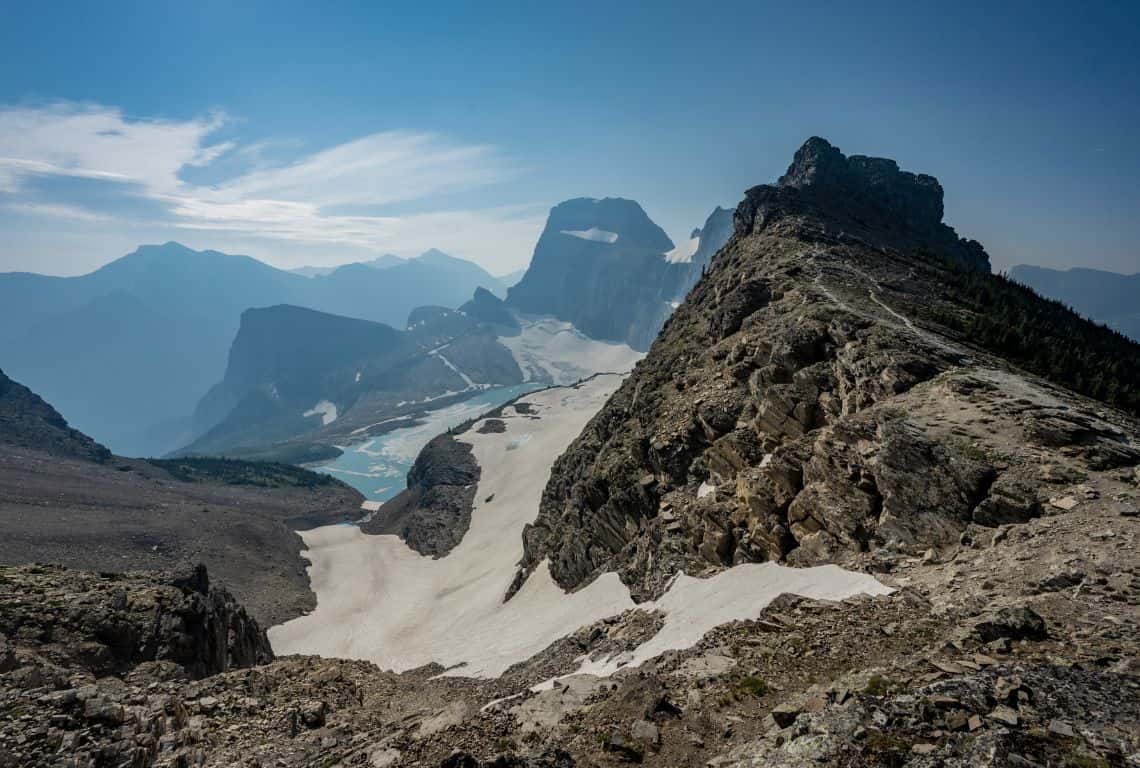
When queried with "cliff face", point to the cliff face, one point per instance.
{"points": [[814, 399], [602, 265], [109, 624]]}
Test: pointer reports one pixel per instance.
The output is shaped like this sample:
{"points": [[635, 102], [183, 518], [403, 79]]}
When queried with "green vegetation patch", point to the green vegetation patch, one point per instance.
{"points": [[262, 474]]}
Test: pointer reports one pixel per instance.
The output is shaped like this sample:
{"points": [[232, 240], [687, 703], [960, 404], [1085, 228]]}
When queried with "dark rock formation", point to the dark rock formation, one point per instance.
{"points": [[29, 422], [486, 307], [111, 623], [601, 265], [871, 188], [434, 513]]}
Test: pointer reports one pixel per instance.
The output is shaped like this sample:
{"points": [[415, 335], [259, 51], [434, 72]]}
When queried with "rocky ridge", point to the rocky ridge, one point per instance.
{"points": [[805, 404]]}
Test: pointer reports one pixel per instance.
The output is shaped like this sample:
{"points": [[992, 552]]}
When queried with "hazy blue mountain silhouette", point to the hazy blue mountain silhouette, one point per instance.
{"points": [[1106, 297], [127, 350]]}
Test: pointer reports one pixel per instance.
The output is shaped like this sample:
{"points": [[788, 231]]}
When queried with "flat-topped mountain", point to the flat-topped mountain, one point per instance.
{"points": [[604, 266], [294, 371]]}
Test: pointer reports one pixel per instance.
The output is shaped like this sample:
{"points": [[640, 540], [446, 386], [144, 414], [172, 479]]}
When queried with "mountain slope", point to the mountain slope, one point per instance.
{"points": [[66, 499], [294, 372], [604, 266], [817, 395], [127, 349], [1106, 297], [29, 422]]}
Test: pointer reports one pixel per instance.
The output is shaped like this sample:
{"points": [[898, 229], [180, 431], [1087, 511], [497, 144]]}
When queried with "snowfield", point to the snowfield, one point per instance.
{"points": [[683, 253], [378, 600], [554, 351]]}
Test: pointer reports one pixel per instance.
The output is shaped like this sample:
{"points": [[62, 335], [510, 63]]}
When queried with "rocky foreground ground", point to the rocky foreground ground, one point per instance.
{"points": [[1018, 646]]}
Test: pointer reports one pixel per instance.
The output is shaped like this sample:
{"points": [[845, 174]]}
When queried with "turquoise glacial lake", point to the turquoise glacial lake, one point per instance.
{"points": [[378, 466]]}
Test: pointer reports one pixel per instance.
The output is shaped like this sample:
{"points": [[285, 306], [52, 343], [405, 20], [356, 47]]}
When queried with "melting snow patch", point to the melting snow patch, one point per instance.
{"points": [[705, 489], [683, 253], [593, 233], [324, 409]]}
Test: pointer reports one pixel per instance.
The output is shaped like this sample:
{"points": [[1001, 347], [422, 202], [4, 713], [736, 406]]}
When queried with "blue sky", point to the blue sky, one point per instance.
{"points": [[317, 133]]}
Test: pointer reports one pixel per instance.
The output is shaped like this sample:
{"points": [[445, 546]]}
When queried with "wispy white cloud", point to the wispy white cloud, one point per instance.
{"points": [[301, 202], [96, 142], [55, 211]]}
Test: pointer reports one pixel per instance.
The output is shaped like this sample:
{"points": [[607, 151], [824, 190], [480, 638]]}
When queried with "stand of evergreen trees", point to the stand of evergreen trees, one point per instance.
{"points": [[1042, 335]]}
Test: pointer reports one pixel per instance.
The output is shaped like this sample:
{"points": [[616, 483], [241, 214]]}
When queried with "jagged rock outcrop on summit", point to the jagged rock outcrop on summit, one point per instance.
{"points": [[486, 307], [812, 401]]}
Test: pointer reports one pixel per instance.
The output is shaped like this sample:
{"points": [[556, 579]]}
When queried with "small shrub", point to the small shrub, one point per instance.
{"points": [[752, 685]]}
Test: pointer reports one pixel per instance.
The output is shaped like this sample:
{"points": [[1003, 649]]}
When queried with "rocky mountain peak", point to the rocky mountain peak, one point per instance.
{"points": [[600, 220], [866, 193]]}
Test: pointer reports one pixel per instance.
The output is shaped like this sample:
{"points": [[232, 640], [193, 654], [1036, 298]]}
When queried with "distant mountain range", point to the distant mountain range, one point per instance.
{"points": [[127, 349], [380, 262], [606, 267], [1106, 297]]}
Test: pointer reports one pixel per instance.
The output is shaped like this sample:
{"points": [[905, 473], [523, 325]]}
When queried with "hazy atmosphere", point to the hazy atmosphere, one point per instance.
{"points": [[580, 385], [310, 137]]}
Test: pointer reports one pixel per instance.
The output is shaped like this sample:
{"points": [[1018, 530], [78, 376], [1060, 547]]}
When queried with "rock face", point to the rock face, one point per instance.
{"points": [[486, 307], [29, 422], [793, 410], [601, 265], [111, 623], [434, 512]]}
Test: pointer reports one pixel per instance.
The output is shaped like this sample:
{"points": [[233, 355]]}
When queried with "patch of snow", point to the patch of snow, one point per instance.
{"points": [[377, 599], [766, 460], [683, 253], [554, 351], [467, 382], [693, 606], [324, 409], [358, 377], [380, 601], [593, 233], [705, 489], [370, 506]]}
